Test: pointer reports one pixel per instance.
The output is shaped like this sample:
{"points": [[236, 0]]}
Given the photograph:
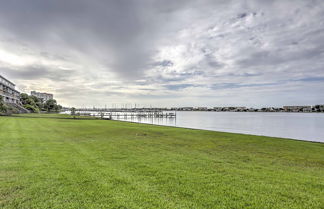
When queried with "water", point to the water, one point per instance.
{"points": [[302, 126]]}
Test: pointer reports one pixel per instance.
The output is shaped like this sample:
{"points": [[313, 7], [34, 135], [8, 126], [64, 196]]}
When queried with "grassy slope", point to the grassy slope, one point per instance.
{"points": [[60, 163]]}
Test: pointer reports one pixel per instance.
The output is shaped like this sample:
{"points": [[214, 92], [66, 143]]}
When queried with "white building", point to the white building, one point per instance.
{"points": [[43, 96], [297, 108], [8, 91]]}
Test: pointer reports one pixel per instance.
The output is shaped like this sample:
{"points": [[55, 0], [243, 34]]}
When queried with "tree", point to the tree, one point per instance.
{"points": [[57, 108], [30, 102], [73, 112], [31, 108], [23, 98], [35, 104], [38, 102], [50, 105], [3, 107]]}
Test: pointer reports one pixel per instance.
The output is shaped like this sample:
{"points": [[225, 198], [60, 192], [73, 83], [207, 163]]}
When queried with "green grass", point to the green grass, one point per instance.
{"points": [[64, 163], [54, 115]]}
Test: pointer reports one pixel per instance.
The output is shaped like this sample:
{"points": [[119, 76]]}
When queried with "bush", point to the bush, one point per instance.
{"points": [[31, 108], [3, 107], [52, 106], [12, 110]]}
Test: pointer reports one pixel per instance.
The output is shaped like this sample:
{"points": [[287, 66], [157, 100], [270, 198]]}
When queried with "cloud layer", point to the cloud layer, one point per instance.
{"points": [[166, 53]]}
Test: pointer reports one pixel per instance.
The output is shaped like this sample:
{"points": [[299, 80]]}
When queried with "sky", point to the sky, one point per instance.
{"points": [[166, 53]]}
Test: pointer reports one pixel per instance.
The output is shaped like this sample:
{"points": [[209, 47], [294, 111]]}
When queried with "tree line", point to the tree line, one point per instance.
{"points": [[36, 105], [31, 103]]}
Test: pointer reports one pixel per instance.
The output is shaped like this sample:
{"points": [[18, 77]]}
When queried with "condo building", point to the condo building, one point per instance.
{"points": [[8, 91], [43, 96]]}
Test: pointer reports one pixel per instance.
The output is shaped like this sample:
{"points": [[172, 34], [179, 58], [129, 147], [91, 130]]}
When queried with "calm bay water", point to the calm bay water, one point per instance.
{"points": [[302, 126]]}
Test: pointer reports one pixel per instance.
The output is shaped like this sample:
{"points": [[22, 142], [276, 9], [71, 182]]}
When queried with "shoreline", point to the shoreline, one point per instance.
{"points": [[189, 128], [198, 129], [239, 111]]}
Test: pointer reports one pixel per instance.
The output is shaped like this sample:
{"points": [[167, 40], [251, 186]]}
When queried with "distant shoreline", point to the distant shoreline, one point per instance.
{"points": [[239, 111]]}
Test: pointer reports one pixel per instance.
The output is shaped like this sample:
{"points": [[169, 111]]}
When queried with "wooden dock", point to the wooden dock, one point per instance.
{"points": [[125, 114]]}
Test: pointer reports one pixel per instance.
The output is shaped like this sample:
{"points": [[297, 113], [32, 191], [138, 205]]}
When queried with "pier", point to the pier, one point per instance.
{"points": [[125, 113]]}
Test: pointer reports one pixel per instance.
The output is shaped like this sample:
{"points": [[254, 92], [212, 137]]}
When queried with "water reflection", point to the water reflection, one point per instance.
{"points": [[150, 120]]}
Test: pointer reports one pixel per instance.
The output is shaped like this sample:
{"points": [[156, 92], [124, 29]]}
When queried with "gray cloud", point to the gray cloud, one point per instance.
{"points": [[38, 72], [123, 50], [178, 86], [119, 34], [164, 63]]}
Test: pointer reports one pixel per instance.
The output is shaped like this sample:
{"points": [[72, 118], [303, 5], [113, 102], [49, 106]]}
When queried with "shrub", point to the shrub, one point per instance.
{"points": [[3, 107], [31, 108]]}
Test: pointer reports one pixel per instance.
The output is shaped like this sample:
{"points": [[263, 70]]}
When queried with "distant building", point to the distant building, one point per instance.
{"points": [[201, 108], [240, 109], [8, 91], [297, 108], [186, 108], [252, 110], [234, 109], [218, 109], [43, 96]]}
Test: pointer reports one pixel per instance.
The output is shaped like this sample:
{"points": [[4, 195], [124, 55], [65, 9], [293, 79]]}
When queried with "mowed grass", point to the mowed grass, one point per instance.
{"points": [[65, 163]]}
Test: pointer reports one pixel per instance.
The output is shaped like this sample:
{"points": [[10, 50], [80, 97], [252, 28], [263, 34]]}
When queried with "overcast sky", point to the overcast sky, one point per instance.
{"points": [[166, 52]]}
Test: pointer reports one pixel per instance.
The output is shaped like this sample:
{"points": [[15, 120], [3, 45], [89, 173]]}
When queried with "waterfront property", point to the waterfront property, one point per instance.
{"points": [[43, 96], [305, 108], [66, 163], [297, 108], [8, 91]]}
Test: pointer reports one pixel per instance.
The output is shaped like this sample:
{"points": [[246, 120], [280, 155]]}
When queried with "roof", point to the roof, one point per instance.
{"points": [[7, 80]]}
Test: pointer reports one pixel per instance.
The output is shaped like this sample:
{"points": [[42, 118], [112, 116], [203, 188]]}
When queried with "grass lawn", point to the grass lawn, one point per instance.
{"points": [[65, 163]]}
